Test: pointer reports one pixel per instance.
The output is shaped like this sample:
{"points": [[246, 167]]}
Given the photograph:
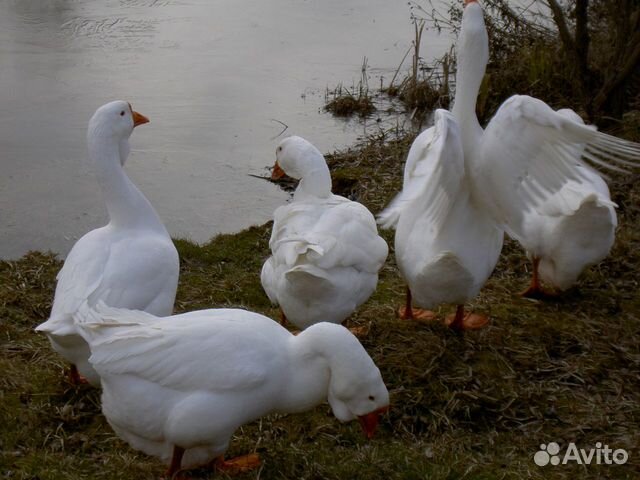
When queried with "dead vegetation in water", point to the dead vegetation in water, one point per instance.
{"points": [[343, 102], [357, 100], [426, 86]]}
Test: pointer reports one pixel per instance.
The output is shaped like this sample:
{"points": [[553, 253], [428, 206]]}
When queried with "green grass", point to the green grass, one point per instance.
{"points": [[475, 406]]}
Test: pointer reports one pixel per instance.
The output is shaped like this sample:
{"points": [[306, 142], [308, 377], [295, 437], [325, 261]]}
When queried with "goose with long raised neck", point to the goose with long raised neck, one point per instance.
{"points": [[325, 249], [521, 166], [178, 387], [131, 262]]}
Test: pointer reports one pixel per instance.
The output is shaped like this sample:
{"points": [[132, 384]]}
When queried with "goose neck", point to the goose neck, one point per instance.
{"points": [[316, 182], [127, 206]]}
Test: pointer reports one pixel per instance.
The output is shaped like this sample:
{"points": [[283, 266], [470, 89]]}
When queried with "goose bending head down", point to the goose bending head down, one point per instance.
{"points": [[326, 251], [178, 387], [131, 262]]}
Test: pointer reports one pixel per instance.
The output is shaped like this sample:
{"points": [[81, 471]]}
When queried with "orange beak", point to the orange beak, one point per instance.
{"points": [[277, 172], [467, 2], [138, 118], [369, 422]]}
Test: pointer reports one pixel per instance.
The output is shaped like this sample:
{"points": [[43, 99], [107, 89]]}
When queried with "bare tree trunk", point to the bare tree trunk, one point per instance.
{"points": [[624, 62], [581, 44], [576, 46], [619, 75]]}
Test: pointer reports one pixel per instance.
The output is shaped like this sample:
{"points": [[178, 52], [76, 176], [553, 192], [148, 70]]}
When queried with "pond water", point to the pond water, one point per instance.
{"points": [[214, 76]]}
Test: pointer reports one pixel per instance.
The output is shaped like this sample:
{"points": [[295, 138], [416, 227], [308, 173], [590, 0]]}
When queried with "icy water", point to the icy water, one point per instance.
{"points": [[214, 76]]}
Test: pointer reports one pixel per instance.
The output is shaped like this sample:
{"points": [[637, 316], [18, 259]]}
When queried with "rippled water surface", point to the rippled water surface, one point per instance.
{"points": [[212, 75]]}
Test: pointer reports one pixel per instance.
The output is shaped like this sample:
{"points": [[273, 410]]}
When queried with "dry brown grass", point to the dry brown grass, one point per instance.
{"points": [[475, 406]]}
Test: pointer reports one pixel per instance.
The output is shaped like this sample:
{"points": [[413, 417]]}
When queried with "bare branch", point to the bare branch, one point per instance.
{"points": [[626, 70], [563, 29], [282, 131]]}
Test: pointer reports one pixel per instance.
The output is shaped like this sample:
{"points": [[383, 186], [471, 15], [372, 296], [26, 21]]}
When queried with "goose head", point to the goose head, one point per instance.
{"points": [[473, 42], [356, 388], [299, 159], [361, 394], [472, 50], [114, 122]]}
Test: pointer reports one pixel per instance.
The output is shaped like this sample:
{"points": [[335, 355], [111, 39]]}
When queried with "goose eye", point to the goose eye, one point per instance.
{"points": [[372, 398], [279, 149], [122, 113]]}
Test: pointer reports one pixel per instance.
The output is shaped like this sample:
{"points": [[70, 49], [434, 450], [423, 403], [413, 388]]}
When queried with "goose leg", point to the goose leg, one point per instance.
{"points": [[283, 318], [284, 322], [176, 461], [74, 376], [461, 321], [407, 312], [535, 289]]}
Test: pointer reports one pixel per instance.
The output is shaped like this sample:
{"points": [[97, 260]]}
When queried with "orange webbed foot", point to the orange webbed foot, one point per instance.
{"points": [[466, 321], [417, 314], [535, 289], [536, 292], [359, 331], [237, 465]]}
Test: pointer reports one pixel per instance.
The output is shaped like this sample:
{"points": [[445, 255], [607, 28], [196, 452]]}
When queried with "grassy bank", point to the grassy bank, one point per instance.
{"points": [[474, 406]]}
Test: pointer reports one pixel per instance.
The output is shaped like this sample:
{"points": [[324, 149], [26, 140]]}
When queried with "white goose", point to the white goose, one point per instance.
{"points": [[326, 251], [178, 387], [446, 245], [130, 262], [574, 228], [524, 157]]}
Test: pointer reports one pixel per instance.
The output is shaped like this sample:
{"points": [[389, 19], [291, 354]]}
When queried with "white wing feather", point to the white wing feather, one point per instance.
{"points": [[141, 273], [433, 174], [331, 234], [215, 350], [529, 151]]}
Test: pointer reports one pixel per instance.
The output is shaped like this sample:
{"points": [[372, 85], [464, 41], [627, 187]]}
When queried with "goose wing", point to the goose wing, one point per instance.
{"points": [[529, 152], [433, 175], [215, 350]]}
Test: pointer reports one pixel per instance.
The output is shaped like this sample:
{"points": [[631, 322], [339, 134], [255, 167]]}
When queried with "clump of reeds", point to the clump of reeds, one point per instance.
{"points": [[580, 54], [426, 86], [345, 102]]}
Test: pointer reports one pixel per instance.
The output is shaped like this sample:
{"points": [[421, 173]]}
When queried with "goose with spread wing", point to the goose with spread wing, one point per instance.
{"points": [[572, 229], [447, 244], [522, 168], [130, 262]]}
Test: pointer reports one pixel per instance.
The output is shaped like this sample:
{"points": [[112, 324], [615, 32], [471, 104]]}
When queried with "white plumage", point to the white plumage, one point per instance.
{"points": [[131, 262], [326, 251], [190, 380], [524, 174], [446, 246], [573, 228], [447, 243]]}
